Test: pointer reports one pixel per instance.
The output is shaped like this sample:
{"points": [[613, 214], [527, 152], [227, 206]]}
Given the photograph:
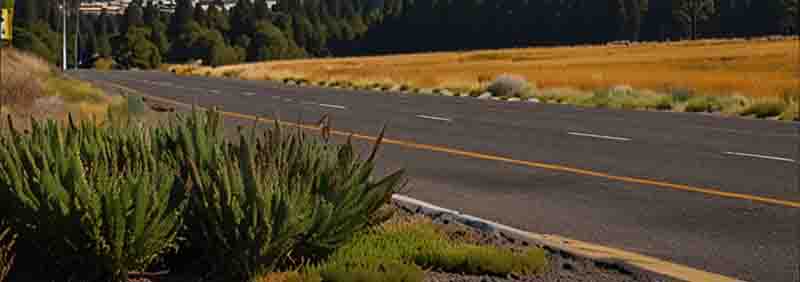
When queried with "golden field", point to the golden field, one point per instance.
{"points": [[755, 68]]}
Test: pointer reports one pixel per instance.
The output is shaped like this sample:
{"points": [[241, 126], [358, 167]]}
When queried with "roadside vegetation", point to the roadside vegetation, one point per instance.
{"points": [[116, 200], [30, 86], [733, 77]]}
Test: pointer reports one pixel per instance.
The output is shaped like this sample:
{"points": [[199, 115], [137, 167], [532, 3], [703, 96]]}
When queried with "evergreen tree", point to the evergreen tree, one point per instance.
{"points": [[151, 14], [181, 17], [200, 16], [134, 16]]}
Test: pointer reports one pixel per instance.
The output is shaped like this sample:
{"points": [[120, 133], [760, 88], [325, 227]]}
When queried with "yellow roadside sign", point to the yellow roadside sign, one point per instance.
{"points": [[5, 24]]}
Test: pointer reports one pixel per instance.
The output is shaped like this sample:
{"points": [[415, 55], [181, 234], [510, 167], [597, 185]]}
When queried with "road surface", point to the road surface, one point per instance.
{"points": [[718, 194]]}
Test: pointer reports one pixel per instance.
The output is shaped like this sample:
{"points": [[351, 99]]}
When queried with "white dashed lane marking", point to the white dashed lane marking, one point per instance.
{"points": [[435, 118], [339, 107], [760, 156], [623, 139]]}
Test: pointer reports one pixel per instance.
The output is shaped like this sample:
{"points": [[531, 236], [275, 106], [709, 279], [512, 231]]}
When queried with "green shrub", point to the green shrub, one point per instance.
{"points": [[601, 99], [765, 109], [370, 270], [707, 104], [792, 100], [422, 244], [663, 103], [681, 95], [256, 202], [6, 251], [104, 64], [89, 200]]}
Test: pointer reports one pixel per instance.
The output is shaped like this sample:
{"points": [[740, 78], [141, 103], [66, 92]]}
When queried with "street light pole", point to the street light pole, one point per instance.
{"points": [[77, 33], [64, 35]]}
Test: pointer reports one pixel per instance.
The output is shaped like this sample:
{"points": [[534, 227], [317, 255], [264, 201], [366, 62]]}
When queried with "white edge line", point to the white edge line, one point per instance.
{"points": [[563, 244], [599, 136], [435, 118], [760, 156], [333, 106]]}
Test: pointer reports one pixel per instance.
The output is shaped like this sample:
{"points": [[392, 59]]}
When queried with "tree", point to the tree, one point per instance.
{"points": [[242, 18], [217, 19], [158, 36], [691, 13], [26, 13], [634, 23], [136, 51], [182, 16], [268, 43], [134, 16], [261, 10], [774, 16], [151, 14], [200, 16]]}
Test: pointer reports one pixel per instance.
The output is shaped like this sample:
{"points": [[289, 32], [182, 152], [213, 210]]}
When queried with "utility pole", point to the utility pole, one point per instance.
{"points": [[64, 35], [77, 33]]}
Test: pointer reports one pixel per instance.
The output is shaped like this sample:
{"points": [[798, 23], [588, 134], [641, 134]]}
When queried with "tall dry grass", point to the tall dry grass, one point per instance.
{"points": [[22, 78], [755, 68], [30, 86]]}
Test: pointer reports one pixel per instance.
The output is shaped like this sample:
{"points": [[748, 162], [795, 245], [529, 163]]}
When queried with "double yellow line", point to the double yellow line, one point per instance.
{"points": [[475, 155]]}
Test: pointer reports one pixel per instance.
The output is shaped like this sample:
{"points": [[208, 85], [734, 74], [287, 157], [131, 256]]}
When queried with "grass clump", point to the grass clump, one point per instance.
{"points": [[104, 64], [707, 104], [510, 86], [765, 109], [7, 241], [792, 100], [407, 246]]}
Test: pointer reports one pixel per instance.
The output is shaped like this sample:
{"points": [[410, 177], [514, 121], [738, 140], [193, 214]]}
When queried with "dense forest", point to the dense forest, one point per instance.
{"points": [[143, 36]]}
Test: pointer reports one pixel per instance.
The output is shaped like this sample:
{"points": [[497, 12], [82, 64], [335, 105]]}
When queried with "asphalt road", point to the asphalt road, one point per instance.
{"points": [[736, 234]]}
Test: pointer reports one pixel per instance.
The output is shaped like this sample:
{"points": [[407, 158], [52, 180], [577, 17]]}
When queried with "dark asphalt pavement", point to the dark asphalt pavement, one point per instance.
{"points": [[746, 239]]}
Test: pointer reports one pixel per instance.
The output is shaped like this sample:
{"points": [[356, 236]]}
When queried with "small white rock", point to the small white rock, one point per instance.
{"points": [[534, 100], [485, 96], [445, 92], [514, 99]]}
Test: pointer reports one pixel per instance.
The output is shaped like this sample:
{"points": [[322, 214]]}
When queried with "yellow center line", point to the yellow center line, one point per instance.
{"points": [[475, 155]]}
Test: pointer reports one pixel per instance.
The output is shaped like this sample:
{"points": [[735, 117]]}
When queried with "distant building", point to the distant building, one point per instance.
{"points": [[117, 7]]}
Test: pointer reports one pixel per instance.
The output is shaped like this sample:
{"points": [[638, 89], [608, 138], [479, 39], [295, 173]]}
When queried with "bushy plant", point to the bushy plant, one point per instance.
{"points": [[7, 240], [89, 200], [417, 243], [681, 95], [510, 86], [273, 195], [707, 104], [765, 109], [792, 100]]}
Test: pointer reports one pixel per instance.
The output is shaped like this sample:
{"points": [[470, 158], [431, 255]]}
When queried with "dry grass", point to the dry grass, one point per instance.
{"points": [[31, 87], [755, 68]]}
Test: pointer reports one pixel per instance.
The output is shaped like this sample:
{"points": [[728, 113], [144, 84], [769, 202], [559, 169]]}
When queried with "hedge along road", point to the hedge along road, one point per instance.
{"points": [[718, 194]]}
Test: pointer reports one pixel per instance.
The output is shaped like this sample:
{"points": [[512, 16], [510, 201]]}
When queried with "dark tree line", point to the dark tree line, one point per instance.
{"points": [[252, 31]]}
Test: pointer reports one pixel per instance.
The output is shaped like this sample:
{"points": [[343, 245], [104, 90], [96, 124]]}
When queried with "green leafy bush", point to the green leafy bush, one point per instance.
{"points": [[271, 196], [89, 200]]}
